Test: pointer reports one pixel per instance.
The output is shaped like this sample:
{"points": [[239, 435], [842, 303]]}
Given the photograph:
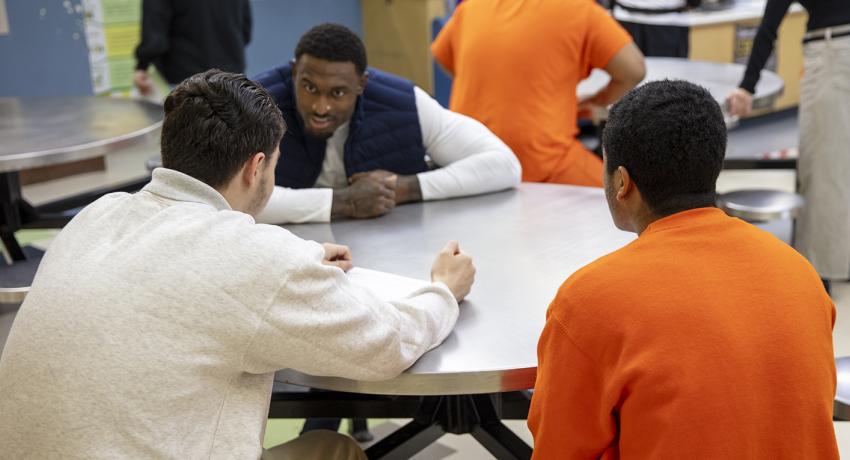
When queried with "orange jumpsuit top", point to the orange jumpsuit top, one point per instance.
{"points": [[704, 338], [516, 66]]}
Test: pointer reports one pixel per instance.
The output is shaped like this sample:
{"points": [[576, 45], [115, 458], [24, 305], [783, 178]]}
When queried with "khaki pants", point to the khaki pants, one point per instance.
{"points": [[823, 229], [317, 445]]}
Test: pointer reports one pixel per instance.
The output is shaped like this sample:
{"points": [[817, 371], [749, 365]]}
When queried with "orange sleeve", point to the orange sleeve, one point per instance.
{"points": [[605, 37], [568, 417], [443, 47]]}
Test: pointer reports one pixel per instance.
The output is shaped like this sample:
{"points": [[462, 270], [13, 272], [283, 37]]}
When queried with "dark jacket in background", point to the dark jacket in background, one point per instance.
{"points": [[184, 37], [822, 14]]}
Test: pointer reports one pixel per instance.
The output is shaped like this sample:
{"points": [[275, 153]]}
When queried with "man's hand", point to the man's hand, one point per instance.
{"points": [[406, 187], [337, 255], [454, 268], [375, 174], [593, 108], [591, 102], [143, 82], [739, 103], [366, 197]]}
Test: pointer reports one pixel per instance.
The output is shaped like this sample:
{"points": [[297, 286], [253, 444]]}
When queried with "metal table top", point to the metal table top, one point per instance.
{"points": [[524, 243], [719, 79], [766, 141], [52, 130]]}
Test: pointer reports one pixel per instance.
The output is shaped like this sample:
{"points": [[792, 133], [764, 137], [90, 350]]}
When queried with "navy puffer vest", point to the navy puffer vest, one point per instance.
{"points": [[384, 131]]}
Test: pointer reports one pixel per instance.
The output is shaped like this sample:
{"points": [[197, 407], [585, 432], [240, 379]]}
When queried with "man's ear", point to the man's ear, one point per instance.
{"points": [[363, 80], [292, 67], [253, 167], [623, 183]]}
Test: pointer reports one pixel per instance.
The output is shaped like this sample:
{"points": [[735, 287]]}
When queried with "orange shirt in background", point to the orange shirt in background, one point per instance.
{"points": [[704, 338], [516, 66]]}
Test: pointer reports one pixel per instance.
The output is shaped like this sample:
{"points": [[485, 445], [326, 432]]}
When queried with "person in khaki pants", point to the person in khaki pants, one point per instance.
{"points": [[822, 233], [157, 319]]}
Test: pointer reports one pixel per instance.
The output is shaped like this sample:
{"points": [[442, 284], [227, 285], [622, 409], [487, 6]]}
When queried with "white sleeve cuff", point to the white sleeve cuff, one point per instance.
{"points": [[288, 205]]}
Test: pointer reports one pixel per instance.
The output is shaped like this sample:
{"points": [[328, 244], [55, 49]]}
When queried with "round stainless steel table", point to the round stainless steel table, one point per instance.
{"points": [[524, 243], [47, 131], [719, 79]]}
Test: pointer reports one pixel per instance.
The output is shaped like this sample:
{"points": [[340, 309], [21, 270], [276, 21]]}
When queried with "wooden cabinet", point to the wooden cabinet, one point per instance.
{"points": [[397, 34], [718, 42]]}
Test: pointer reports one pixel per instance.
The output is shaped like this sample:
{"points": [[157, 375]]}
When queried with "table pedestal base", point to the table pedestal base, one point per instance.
{"points": [[16, 213], [438, 415]]}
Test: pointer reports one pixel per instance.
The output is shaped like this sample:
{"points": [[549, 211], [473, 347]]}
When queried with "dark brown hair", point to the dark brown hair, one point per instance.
{"points": [[214, 122]]}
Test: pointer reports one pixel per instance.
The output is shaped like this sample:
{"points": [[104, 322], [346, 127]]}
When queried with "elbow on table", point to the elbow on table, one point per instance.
{"points": [[388, 373], [517, 173], [386, 359], [514, 177], [381, 371]]}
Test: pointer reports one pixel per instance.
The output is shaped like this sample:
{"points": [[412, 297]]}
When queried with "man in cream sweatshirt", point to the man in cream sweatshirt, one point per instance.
{"points": [[157, 319]]}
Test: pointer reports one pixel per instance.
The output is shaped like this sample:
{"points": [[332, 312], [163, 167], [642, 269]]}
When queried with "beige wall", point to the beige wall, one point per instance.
{"points": [[397, 34], [4, 21]]}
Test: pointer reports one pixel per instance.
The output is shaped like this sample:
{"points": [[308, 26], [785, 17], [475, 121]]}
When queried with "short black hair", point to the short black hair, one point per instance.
{"points": [[671, 137], [334, 43], [214, 122]]}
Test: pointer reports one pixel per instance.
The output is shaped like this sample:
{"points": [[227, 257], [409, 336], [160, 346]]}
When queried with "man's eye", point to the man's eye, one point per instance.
{"points": [[310, 88], [338, 93]]}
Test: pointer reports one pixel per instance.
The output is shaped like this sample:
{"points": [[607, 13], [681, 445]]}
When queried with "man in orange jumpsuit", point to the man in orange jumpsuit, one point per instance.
{"points": [[705, 337], [516, 66]]}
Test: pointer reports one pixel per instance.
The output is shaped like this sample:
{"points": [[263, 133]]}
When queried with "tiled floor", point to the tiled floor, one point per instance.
{"points": [[130, 164]]}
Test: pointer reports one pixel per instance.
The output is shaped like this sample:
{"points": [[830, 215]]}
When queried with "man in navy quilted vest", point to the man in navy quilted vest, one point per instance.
{"points": [[361, 141]]}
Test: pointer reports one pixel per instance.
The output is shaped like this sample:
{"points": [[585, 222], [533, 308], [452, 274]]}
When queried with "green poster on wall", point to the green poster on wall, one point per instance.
{"points": [[113, 30]]}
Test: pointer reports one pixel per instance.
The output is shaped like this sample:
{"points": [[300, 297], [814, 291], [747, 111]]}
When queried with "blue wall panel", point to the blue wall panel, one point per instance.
{"points": [[45, 52], [278, 25]]}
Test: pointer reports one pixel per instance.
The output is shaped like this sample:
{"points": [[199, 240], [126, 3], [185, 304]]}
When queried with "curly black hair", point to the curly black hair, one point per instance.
{"points": [[671, 137], [214, 122], [335, 43]]}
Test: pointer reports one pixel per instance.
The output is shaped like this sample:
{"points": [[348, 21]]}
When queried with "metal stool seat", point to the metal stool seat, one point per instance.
{"points": [[153, 163], [841, 409], [761, 205]]}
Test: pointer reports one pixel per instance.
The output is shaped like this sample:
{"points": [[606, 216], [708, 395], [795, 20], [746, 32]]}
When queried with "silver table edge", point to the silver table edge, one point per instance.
{"points": [[13, 295], [26, 160], [406, 384]]}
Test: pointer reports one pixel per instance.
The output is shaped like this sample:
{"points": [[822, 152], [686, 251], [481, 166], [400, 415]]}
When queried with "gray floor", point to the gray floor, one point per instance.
{"points": [[777, 135]]}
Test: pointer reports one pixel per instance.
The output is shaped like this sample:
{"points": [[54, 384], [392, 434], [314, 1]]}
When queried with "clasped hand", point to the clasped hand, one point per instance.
{"points": [[374, 193]]}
